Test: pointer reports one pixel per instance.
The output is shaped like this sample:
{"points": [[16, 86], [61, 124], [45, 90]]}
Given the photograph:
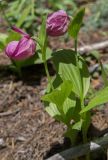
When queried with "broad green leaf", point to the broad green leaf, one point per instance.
{"points": [[52, 110], [23, 16], [78, 125], [75, 114], [104, 75], [68, 104], [100, 98], [42, 32], [75, 24], [57, 81], [59, 95], [85, 76], [68, 108], [65, 64]]}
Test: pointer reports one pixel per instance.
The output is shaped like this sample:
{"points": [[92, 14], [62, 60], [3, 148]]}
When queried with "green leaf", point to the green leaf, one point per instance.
{"points": [[68, 108], [72, 134], [1, 46], [65, 64], [52, 110], [100, 98], [69, 103], [75, 114], [48, 55], [75, 24], [104, 75], [78, 125], [86, 122], [56, 81], [23, 16], [85, 76], [59, 95]]}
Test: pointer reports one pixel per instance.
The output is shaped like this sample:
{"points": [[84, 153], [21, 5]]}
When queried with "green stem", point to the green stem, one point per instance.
{"points": [[46, 66], [47, 73], [85, 141], [82, 99], [76, 52], [76, 45], [19, 72], [18, 68]]}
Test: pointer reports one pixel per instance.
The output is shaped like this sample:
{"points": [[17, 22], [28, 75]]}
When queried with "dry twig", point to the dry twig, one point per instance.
{"points": [[8, 113], [95, 46]]}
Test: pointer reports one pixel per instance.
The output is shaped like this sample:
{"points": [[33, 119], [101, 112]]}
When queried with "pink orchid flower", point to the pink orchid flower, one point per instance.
{"points": [[22, 49], [57, 23]]}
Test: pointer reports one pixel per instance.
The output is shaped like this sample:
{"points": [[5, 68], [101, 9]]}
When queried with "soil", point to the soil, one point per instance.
{"points": [[27, 132]]}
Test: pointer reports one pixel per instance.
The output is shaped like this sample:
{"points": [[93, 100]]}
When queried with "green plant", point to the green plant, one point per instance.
{"points": [[66, 93]]}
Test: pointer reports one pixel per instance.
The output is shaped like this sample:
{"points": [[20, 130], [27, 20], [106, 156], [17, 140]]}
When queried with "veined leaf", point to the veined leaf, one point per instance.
{"points": [[69, 107], [100, 98], [69, 103], [85, 76], [59, 95], [65, 64], [75, 24], [52, 110]]}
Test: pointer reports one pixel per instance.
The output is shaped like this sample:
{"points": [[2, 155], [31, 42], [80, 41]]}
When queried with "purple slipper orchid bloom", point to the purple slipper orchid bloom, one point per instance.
{"points": [[22, 49], [57, 23]]}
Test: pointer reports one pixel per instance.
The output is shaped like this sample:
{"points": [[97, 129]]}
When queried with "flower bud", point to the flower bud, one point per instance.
{"points": [[22, 49], [57, 23]]}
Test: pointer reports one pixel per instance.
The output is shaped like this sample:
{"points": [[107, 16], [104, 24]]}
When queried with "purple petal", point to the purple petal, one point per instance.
{"points": [[11, 47], [18, 30]]}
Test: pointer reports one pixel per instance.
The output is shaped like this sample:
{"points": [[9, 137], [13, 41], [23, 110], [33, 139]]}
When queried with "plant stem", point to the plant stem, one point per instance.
{"points": [[47, 73], [46, 66], [81, 98], [19, 72], [76, 45], [18, 68], [85, 141]]}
